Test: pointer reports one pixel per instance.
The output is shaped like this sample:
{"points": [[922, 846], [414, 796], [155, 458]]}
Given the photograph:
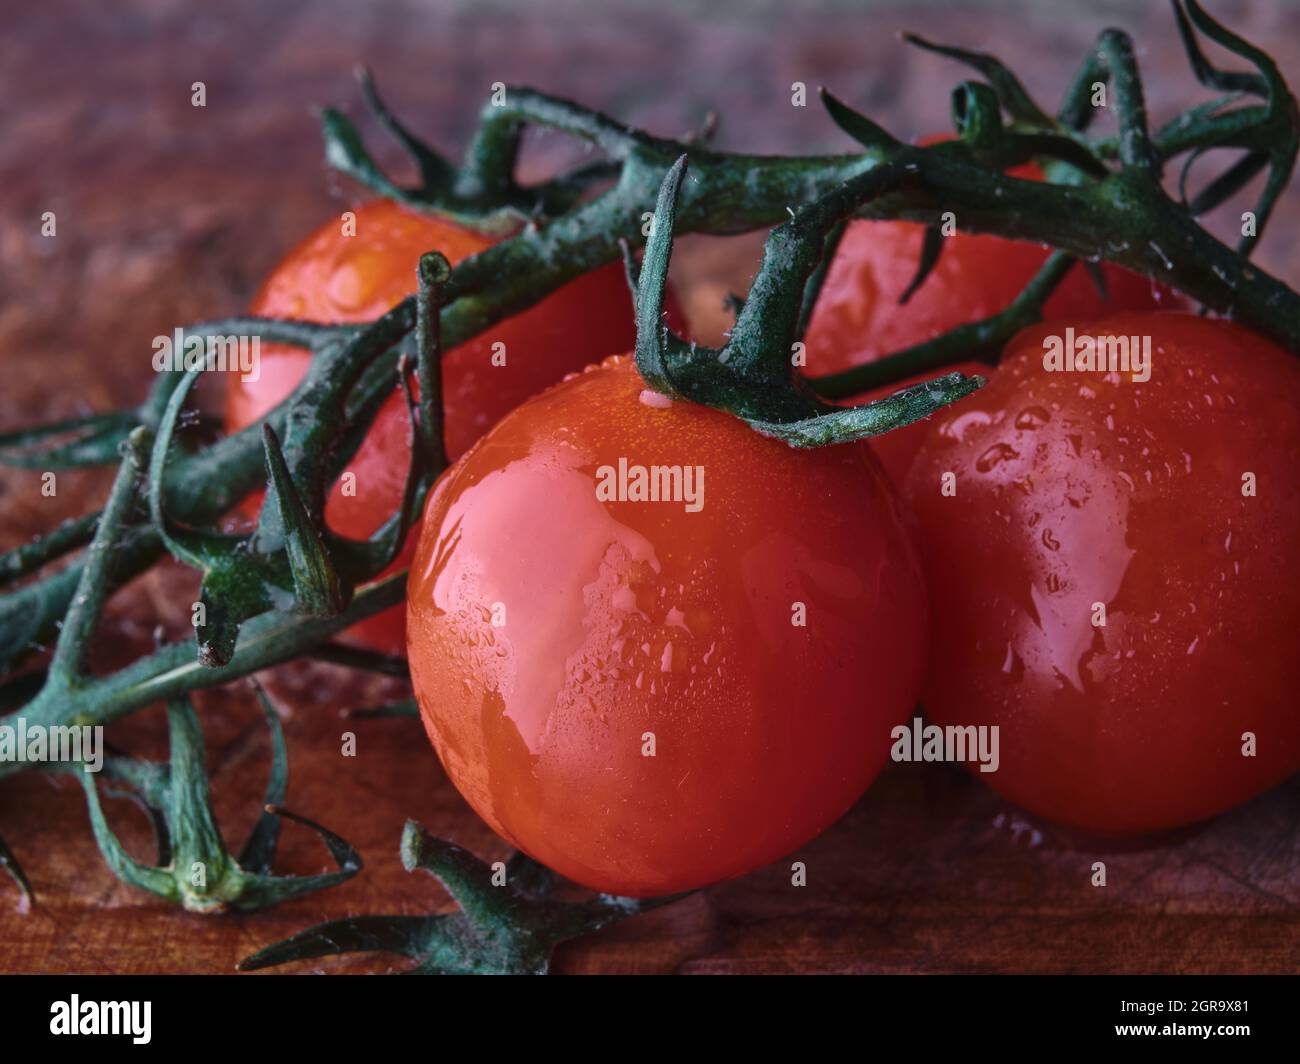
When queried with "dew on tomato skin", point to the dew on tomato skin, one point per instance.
{"points": [[353, 281], [954, 429], [624, 598], [1013, 665], [1032, 417], [994, 456], [657, 400], [675, 618]]}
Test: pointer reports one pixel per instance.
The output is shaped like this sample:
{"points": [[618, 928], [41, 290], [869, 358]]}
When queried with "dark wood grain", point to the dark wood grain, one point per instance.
{"points": [[169, 214]]}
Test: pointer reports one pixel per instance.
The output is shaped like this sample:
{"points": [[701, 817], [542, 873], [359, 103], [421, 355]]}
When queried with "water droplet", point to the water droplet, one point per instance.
{"points": [[1032, 417], [994, 456], [954, 431], [658, 400], [1013, 665]]}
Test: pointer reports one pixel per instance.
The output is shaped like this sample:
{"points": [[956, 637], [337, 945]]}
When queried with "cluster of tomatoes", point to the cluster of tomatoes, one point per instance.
{"points": [[648, 699]]}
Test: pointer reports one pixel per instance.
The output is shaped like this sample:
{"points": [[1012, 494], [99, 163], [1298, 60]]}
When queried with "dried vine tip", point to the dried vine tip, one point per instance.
{"points": [[434, 269], [509, 921]]}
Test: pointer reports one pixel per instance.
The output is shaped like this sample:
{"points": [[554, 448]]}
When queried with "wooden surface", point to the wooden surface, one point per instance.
{"points": [[169, 214]]}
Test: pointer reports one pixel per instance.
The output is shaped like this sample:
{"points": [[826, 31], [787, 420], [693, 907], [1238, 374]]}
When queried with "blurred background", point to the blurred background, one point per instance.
{"points": [[169, 214]]}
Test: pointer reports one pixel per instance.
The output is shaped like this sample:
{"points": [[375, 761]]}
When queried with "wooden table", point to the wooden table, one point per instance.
{"points": [[168, 214]]}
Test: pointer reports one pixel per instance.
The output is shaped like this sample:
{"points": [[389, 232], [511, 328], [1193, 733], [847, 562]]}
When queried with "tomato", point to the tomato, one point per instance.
{"points": [[335, 278], [556, 632], [1075, 489], [858, 318]]}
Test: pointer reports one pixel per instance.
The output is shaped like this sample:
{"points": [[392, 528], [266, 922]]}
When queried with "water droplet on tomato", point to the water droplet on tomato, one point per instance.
{"points": [[994, 456], [955, 429], [658, 400], [1032, 417]]}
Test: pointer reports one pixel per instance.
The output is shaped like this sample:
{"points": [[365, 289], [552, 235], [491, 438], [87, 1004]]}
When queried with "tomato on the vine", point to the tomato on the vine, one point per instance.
{"points": [[858, 317], [649, 696], [1113, 573], [332, 277]]}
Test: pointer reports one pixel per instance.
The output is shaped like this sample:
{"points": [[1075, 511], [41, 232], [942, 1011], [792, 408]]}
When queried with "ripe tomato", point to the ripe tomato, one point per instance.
{"points": [[1075, 489], [330, 277], [858, 317], [630, 623]]}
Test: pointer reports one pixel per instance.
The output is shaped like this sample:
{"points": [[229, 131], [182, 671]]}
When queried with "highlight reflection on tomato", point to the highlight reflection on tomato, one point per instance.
{"points": [[335, 278], [628, 622], [1077, 488]]}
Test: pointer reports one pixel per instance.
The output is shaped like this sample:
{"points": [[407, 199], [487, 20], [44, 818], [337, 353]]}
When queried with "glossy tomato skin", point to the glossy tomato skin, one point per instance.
{"points": [[1074, 489], [335, 278], [858, 318], [630, 618]]}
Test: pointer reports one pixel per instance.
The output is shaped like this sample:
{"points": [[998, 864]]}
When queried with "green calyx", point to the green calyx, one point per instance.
{"points": [[754, 375], [194, 867], [509, 921]]}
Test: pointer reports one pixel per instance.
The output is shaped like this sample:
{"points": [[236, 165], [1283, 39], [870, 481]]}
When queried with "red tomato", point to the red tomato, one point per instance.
{"points": [[1078, 488], [335, 278], [635, 622], [858, 318]]}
